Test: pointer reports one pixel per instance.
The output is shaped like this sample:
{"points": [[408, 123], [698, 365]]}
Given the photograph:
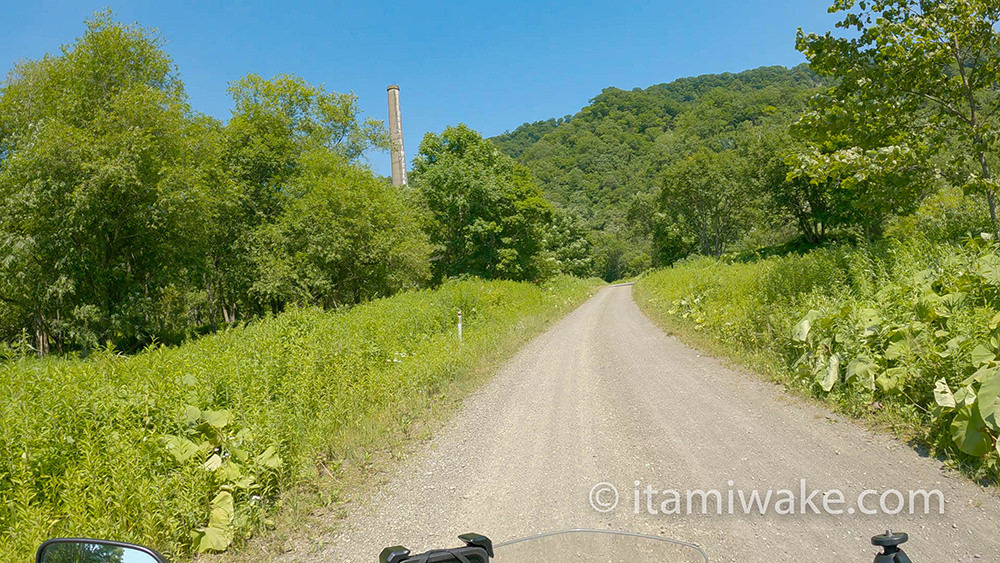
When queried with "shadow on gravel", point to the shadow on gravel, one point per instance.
{"points": [[923, 449]]}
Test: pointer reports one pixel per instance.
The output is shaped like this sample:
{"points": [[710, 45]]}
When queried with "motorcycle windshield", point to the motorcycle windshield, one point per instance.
{"points": [[597, 546]]}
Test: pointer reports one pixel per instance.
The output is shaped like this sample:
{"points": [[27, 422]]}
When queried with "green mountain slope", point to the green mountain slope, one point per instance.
{"points": [[604, 163]]}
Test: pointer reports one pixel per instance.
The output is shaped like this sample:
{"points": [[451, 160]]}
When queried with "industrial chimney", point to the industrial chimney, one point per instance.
{"points": [[396, 138]]}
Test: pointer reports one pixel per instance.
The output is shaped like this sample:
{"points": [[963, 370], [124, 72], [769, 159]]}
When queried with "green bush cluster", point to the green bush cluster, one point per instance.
{"points": [[906, 329], [188, 448]]}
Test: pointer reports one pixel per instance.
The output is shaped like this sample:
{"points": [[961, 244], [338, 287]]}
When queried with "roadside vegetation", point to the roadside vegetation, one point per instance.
{"points": [[835, 222], [190, 448], [902, 333]]}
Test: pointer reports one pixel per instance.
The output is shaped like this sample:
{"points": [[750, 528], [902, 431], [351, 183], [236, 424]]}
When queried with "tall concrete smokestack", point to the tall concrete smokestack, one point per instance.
{"points": [[396, 138]]}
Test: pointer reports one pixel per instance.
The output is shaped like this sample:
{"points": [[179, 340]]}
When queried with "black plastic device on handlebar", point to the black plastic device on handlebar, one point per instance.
{"points": [[478, 549], [890, 542]]}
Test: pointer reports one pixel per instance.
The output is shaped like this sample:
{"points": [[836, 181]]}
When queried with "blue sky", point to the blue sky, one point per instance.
{"points": [[490, 65]]}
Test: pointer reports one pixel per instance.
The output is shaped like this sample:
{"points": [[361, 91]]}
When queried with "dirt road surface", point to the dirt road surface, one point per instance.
{"points": [[606, 397]]}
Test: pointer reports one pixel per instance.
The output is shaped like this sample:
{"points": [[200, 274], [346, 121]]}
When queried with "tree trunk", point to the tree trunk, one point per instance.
{"points": [[41, 343], [992, 200], [41, 336], [210, 291], [60, 333], [990, 193]]}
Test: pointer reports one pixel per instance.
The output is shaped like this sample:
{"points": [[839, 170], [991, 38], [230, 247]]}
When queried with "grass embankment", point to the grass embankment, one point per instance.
{"points": [[905, 334], [192, 447]]}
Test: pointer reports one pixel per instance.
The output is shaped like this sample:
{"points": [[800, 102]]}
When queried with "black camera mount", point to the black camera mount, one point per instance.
{"points": [[890, 542]]}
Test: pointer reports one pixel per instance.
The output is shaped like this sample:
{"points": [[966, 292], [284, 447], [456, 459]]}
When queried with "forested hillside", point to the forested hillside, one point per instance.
{"points": [[606, 164]]}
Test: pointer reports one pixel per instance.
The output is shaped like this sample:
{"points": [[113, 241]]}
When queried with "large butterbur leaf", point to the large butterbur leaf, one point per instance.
{"points": [[191, 414], [988, 402], [862, 371], [222, 510], [218, 534], [869, 321], [269, 458], [995, 321], [898, 349], [213, 462], [989, 268], [801, 331], [982, 355], [218, 419], [942, 394], [832, 373], [965, 396], [966, 432], [181, 448], [211, 539], [891, 379]]}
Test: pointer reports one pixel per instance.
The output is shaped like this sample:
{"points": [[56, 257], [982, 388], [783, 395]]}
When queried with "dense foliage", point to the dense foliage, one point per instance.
{"points": [[900, 321], [900, 110], [186, 448], [126, 218]]}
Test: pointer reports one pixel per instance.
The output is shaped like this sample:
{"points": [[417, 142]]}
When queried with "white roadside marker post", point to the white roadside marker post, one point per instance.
{"points": [[459, 325]]}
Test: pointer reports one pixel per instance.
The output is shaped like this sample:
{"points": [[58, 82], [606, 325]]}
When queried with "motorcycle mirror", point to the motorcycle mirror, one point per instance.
{"points": [[80, 550]]}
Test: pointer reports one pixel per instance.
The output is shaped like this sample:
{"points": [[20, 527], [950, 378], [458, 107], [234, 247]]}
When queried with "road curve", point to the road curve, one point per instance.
{"points": [[606, 396]]}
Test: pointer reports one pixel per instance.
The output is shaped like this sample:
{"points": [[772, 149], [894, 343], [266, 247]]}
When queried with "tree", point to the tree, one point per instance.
{"points": [[809, 204], [488, 215], [88, 197], [706, 192], [345, 238], [567, 248], [917, 73], [275, 126], [276, 121]]}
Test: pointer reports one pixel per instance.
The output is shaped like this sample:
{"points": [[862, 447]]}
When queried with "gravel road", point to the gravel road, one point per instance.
{"points": [[606, 396]]}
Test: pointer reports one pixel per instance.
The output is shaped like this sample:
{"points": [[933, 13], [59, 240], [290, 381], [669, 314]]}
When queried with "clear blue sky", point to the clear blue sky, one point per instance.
{"points": [[491, 65]]}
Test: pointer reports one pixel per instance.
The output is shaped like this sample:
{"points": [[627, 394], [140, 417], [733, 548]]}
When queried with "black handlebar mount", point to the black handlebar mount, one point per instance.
{"points": [[890, 542], [478, 549]]}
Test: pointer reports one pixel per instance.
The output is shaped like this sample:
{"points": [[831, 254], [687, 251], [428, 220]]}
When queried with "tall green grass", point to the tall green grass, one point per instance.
{"points": [[904, 332], [190, 447]]}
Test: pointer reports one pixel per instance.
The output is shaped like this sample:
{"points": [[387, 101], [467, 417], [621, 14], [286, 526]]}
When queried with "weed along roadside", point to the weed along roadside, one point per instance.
{"points": [[195, 448], [904, 334]]}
